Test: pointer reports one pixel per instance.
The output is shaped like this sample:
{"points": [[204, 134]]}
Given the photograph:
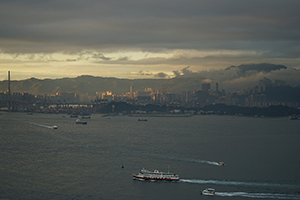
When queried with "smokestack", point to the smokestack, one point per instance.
{"points": [[8, 90]]}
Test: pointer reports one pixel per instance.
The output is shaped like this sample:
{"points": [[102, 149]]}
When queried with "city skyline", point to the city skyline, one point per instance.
{"points": [[234, 78], [264, 95], [149, 39]]}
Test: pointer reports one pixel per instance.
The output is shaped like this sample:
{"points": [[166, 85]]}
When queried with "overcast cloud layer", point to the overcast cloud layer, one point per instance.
{"points": [[144, 39]]}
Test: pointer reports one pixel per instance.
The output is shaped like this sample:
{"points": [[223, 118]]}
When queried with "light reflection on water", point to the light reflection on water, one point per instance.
{"points": [[84, 161]]}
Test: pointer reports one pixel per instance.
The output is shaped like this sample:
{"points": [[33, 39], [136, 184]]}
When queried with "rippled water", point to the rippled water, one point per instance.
{"points": [[84, 161]]}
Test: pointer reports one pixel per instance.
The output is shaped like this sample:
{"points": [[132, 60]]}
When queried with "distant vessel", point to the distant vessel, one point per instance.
{"points": [[54, 127], [141, 119], [73, 116], [86, 117], [78, 121], [294, 117], [155, 175], [208, 191], [221, 163]]}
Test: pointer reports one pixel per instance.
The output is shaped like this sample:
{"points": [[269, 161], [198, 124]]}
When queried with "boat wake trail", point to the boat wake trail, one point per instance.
{"points": [[199, 161], [257, 195], [191, 160], [237, 183], [41, 125], [205, 162]]}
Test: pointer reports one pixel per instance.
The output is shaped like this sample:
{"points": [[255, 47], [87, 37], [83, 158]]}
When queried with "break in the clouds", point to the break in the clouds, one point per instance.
{"points": [[59, 38]]}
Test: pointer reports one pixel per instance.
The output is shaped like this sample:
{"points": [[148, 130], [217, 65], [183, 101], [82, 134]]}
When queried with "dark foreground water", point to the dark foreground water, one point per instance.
{"points": [[84, 161]]}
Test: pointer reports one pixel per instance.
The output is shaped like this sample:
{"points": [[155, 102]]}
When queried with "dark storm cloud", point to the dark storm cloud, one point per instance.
{"points": [[176, 73], [71, 60], [161, 75], [122, 59], [240, 77], [100, 56], [143, 73], [49, 26]]}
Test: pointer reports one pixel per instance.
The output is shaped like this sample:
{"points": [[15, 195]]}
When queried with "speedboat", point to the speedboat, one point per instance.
{"points": [[86, 117], [221, 163], [208, 191], [142, 119], [155, 175], [78, 121], [294, 117], [54, 127]]}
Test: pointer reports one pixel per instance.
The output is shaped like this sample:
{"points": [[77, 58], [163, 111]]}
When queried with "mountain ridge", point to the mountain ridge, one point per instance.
{"points": [[186, 81]]}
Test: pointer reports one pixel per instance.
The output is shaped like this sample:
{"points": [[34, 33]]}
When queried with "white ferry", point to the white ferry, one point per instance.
{"points": [[155, 175]]}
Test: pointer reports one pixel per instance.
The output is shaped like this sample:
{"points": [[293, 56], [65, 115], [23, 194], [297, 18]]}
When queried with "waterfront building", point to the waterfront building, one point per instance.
{"points": [[68, 97]]}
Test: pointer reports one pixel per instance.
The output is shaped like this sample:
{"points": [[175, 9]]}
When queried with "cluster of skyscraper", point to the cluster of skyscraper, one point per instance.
{"points": [[258, 96]]}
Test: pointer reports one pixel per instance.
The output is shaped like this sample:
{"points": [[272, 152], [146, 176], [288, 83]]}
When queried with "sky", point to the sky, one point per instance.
{"points": [[142, 39]]}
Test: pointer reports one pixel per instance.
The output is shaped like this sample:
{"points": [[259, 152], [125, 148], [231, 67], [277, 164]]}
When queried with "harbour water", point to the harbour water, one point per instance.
{"points": [[75, 161]]}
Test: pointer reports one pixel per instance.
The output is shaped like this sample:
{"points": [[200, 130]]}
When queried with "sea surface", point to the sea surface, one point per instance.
{"points": [[75, 161]]}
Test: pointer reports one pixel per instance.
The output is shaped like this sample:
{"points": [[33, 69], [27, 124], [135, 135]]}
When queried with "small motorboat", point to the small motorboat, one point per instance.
{"points": [[294, 117], [142, 119], [78, 121], [208, 191], [54, 127], [86, 117], [221, 163]]}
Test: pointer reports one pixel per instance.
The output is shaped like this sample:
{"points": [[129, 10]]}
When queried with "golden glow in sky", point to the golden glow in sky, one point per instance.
{"points": [[121, 64], [144, 39]]}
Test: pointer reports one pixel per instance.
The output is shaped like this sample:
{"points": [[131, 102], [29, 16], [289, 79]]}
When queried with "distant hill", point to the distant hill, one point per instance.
{"points": [[91, 85], [233, 78]]}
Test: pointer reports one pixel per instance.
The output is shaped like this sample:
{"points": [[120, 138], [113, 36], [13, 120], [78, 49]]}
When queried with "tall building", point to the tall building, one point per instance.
{"points": [[186, 96], [145, 95], [217, 87], [280, 83], [131, 90], [70, 97], [107, 96], [205, 87]]}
